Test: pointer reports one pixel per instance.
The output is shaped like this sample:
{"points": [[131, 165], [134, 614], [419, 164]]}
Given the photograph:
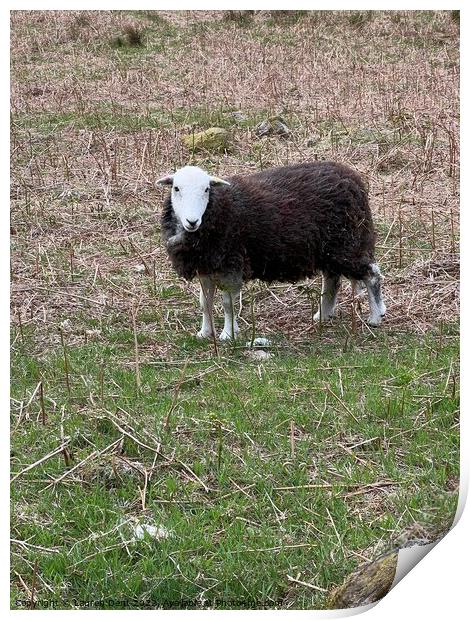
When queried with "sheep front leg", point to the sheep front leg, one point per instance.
{"points": [[231, 329], [206, 300], [231, 287], [329, 291]]}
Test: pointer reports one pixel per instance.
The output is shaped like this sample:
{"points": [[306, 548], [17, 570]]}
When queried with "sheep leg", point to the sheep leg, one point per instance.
{"points": [[230, 329], [329, 292], [230, 285], [373, 282], [357, 287], [206, 300]]}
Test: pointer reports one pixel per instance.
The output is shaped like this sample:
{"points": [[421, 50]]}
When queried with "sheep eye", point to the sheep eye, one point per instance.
{"points": [[177, 189]]}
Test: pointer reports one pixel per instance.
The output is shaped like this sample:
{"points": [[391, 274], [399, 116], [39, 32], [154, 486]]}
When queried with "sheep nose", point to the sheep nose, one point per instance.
{"points": [[191, 223]]}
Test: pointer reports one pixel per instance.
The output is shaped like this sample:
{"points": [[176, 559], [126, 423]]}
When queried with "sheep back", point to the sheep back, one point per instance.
{"points": [[283, 224]]}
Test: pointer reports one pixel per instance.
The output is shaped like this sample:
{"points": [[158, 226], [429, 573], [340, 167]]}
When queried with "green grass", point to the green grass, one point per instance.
{"points": [[111, 116], [387, 416]]}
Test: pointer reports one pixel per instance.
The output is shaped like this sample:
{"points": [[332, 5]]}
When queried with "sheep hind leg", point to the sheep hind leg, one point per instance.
{"points": [[358, 287], [206, 301], [329, 292], [373, 282]]}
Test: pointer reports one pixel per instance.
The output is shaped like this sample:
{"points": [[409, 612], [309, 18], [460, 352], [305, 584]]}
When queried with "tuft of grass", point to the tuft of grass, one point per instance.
{"points": [[359, 19], [132, 37], [240, 18]]}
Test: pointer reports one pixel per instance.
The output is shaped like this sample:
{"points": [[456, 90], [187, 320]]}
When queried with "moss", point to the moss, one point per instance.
{"points": [[213, 139], [367, 585]]}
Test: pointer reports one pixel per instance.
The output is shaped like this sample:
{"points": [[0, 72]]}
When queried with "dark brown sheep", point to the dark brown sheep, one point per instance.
{"points": [[283, 224]]}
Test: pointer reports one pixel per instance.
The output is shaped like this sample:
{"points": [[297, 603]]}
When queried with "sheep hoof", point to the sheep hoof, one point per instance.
{"points": [[226, 336], [328, 317], [203, 334], [374, 321]]}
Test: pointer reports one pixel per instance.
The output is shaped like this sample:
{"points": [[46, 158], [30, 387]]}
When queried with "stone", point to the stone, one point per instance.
{"points": [[368, 584], [272, 126], [212, 139]]}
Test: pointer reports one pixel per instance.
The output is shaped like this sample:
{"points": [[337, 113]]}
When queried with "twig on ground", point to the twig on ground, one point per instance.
{"points": [[41, 460], [93, 455], [307, 585]]}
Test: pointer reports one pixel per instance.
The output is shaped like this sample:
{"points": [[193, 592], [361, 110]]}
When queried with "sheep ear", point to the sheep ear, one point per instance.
{"points": [[217, 181], [168, 180]]}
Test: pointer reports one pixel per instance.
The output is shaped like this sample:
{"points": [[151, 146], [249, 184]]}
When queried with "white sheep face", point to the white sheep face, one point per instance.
{"points": [[190, 187]]}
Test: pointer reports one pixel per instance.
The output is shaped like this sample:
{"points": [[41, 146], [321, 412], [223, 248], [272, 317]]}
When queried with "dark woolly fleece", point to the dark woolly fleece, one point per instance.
{"points": [[282, 224]]}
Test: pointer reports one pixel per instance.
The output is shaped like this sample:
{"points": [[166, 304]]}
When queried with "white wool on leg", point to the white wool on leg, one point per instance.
{"points": [[206, 300], [373, 282], [230, 329], [329, 292], [230, 285]]}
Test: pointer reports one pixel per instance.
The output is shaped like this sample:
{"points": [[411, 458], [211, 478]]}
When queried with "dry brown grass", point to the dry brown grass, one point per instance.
{"points": [[381, 96]]}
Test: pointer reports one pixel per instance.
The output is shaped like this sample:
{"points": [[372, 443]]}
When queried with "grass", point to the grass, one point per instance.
{"points": [[123, 120], [363, 430], [340, 445]]}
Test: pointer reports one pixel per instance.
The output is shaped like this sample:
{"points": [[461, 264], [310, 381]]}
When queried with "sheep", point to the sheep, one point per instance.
{"points": [[283, 224]]}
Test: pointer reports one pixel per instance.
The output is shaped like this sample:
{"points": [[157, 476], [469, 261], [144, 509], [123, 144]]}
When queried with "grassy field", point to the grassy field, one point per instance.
{"points": [[150, 469]]}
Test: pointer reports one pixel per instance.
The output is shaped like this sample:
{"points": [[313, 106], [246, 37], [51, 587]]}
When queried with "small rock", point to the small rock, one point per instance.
{"points": [[139, 268], [272, 126], [70, 194], [159, 532], [212, 139], [368, 584], [263, 128]]}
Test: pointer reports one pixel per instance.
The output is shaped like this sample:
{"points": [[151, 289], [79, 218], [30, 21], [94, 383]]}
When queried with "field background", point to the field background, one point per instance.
{"points": [[266, 480]]}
